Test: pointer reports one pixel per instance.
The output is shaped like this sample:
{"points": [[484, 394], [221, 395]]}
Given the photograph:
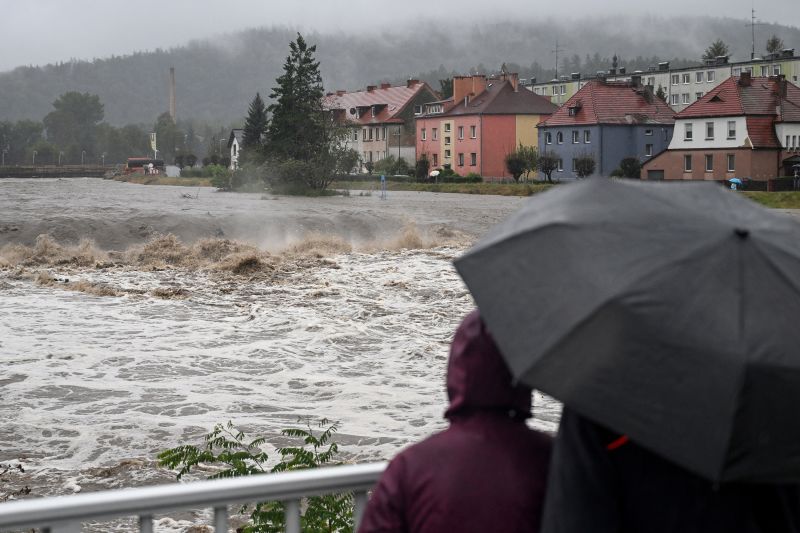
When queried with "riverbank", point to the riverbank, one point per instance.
{"points": [[162, 179]]}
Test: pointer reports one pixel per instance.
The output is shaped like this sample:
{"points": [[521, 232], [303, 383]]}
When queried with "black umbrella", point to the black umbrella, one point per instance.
{"points": [[668, 312]]}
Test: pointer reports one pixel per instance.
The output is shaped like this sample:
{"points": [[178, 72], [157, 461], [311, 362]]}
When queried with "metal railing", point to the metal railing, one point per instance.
{"points": [[65, 514]]}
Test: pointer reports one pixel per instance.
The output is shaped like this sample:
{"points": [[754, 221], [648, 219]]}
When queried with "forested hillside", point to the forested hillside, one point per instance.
{"points": [[217, 78]]}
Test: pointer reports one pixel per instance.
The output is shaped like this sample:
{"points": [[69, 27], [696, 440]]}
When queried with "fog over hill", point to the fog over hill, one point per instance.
{"points": [[216, 79]]}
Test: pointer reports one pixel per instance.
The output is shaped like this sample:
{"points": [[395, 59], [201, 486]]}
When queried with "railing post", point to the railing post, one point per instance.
{"points": [[359, 505], [64, 527], [221, 519], [292, 516], [146, 523]]}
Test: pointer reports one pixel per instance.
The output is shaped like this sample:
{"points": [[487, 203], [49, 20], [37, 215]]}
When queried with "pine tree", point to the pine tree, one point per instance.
{"points": [[774, 44], [716, 49], [296, 129], [255, 127]]}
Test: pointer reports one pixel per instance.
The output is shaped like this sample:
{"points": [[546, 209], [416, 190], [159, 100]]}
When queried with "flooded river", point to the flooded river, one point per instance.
{"points": [[134, 318]]}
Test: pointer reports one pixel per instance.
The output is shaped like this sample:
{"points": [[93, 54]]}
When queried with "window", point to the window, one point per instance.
{"points": [[417, 109], [447, 140], [473, 132], [560, 137], [575, 137], [435, 134], [651, 81], [675, 79], [424, 135], [709, 163], [364, 134], [687, 132], [686, 77], [447, 154], [460, 159], [473, 159], [355, 135], [764, 70], [461, 132], [685, 98], [574, 164], [731, 129], [435, 160], [587, 136], [736, 72], [698, 77], [787, 145], [446, 126], [560, 165], [709, 131], [687, 162], [776, 70], [648, 150], [548, 138], [370, 133], [698, 95], [384, 133], [731, 162], [673, 99], [648, 132], [794, 142], [436, 108], [563, 89], [711, 76], [555, 90]]}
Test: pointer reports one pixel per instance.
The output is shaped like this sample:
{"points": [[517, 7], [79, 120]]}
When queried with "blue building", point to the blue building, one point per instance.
{"points": [[609, 121]]}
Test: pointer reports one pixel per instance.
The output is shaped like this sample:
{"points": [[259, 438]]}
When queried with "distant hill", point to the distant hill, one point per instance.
{"points": [[216, 80]]}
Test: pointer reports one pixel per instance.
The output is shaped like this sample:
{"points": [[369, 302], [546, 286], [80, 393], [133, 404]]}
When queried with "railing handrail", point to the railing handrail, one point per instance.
{"points": [[283, 486]]}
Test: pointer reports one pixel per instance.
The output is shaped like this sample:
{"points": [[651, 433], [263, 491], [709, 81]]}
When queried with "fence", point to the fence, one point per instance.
{"points": [[65, 514]]}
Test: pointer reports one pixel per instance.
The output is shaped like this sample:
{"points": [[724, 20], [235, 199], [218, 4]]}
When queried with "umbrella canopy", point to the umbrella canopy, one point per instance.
{"points": [[667, 312], [736, 181]]}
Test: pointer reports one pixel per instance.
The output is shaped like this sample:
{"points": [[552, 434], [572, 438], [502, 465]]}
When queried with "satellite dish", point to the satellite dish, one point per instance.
{"points": [[352, 110]]}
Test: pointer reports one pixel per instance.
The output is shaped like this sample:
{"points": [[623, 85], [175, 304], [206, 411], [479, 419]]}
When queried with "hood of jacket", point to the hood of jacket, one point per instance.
{"points": [[477, 376]]}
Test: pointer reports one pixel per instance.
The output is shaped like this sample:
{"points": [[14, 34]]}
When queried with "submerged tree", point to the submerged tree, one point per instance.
{"points": [[296, 128]]}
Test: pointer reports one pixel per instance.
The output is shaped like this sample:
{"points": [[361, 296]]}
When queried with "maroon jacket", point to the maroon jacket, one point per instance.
{"points": [[486, 472]]}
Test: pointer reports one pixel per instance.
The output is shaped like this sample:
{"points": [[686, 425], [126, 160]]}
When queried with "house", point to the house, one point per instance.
{"points": [[608, 120], [484, 120], [381, 118], [746, 127], [235, 146]]}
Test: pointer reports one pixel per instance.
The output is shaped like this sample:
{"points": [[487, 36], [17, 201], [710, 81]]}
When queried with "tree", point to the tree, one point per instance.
{"points": [[446, 88], [661, 93], [421, 168], [774, 44], [716, 49], [585, 165], [515, 164], [530, 155], [296, 129], [73, 122], [548, 162], [255, 126], [168, 137], [630, 167]]}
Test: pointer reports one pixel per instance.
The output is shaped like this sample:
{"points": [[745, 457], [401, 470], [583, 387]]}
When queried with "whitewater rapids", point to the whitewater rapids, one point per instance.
{"points": [[134, 318]]}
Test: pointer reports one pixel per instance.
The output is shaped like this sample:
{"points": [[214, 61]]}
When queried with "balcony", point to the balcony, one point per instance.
{"points": [[65, 514]]}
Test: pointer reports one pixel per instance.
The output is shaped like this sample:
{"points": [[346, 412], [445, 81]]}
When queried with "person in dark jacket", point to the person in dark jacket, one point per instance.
{"points": [[601, 482], [486, 472]]}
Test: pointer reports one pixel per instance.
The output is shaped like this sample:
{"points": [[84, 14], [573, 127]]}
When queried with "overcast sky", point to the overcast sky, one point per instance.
{"points": [[45, 31]]}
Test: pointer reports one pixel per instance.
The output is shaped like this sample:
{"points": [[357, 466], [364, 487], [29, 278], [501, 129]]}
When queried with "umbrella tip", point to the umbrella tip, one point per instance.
{"points": [[742, 233]]}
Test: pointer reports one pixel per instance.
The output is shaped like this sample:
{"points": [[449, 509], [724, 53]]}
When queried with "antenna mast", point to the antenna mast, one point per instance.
{"points": [[556, 51]]}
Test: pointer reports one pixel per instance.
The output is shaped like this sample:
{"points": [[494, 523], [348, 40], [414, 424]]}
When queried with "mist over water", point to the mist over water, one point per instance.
{"points": [[116, 344]]}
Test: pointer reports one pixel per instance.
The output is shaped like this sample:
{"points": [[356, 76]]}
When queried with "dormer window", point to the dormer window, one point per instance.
{"points": [[573, 109], [435, 108], [372, 111]]}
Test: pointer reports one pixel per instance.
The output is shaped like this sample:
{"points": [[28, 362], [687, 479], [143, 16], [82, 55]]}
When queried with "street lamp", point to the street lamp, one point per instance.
{"points": [[83, 154], [5, 151], [60, 154], [103, 157], [220, 146], [33, 163]]}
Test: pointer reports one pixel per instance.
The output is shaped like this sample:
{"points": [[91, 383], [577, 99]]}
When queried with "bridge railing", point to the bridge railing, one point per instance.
{"points": [[65, 514]]}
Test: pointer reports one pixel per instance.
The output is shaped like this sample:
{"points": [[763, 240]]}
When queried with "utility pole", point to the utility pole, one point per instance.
{"points": [[556, 51], [753, 25]]}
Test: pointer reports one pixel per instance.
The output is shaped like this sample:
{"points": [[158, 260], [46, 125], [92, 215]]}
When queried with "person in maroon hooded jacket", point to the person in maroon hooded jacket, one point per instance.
{"points": [[486, 472]]}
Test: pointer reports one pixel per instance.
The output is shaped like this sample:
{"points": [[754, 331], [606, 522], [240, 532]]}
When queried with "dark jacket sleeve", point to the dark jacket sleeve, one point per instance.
{"points": [[582, 487], [385, 511]]}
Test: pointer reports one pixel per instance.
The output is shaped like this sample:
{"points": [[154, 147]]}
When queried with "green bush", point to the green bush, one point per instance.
{"points": [[229, 449]]}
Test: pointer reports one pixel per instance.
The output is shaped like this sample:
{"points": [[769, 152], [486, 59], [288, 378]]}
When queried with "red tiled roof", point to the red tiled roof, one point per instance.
{"points": [[600, 102], [500, 98], [761, 131], [731, 98], [391, 101]]}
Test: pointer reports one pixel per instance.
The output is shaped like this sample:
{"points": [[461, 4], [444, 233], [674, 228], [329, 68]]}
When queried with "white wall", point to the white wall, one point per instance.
{"points": [[792, 130], [699, 133]]}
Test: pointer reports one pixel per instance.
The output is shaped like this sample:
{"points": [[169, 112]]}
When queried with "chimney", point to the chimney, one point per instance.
{"points": [[464, 86], [636, 80], [744, 79], [371, 88], [385, 85], [411, 82], [781, 86], [172, 106]]}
